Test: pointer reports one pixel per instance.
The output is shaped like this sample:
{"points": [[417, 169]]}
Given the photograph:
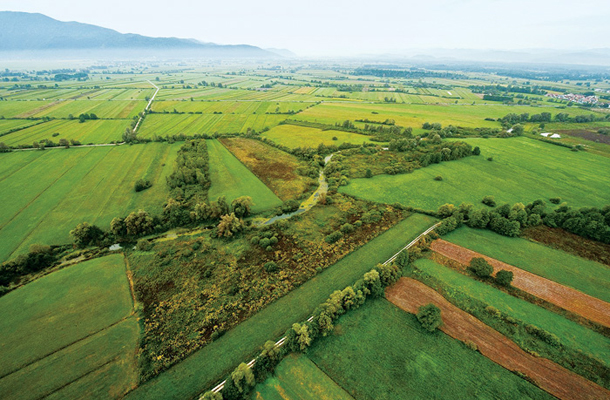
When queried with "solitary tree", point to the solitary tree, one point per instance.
{"points": [[480, 267], [429, 316], [504, 277]]}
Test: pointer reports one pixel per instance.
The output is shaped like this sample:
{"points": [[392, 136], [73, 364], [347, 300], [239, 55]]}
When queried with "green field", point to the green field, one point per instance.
{"points": [[22, 109], [205, 124], [569, 332], [9, 124], [47, 193], [522, 170], [381, 352], [95, 131], [414, 115], [297, 378], [581, 274], [70, 333], [232, 179], [101, 108], [294, 136], [208, 365]]}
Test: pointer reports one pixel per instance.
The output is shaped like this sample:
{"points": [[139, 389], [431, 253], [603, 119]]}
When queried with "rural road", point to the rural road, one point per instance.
{"points": [[562, 296], [147, 106], [410, 294]]}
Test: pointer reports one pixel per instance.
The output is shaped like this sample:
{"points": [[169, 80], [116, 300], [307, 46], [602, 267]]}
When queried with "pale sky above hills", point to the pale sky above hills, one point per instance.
{"points": [[342, 27]]}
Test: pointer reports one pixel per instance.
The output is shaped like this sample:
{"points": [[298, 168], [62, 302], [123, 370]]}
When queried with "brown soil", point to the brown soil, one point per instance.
{"points": [[562, 296], [410, 294], [587, 135], [570, 243]]}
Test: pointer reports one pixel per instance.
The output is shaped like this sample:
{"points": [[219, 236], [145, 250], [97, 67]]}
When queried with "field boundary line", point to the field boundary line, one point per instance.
{"points": [[147, 106], [125, 318], [281, 341]]}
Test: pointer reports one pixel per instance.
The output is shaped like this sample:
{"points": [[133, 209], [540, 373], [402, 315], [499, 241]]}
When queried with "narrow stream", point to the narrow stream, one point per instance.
{"points": [[307, 204]]}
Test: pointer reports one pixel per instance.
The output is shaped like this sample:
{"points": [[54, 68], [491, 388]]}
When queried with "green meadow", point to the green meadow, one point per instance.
{"points": [[294, 136], [231, 178], [204, 368], [569, 332], [414, 115], [298, 378], [381, 352], [47, 193], [101, 108], [71, 325], [93, 131], [522, 170], [205, 124], [587, 276], [9, 124]]}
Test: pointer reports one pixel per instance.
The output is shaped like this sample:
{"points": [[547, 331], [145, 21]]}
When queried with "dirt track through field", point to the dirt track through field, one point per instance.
{"points": [[562, 296], [410, 294]]}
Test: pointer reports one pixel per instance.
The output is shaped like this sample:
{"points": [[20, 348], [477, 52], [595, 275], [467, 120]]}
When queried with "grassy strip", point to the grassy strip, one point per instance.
{"points": [[574, 346], [381, 352], [205, 367], [230, 178], [587, 276], [296, 377]]}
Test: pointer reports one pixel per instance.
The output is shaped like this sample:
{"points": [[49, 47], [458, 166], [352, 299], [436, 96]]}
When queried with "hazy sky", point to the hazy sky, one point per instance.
{"points": [[340, 27]]}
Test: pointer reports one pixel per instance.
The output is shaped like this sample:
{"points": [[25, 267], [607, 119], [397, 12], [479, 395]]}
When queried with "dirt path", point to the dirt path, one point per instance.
{"points": [[562, 296], [410, 294]]}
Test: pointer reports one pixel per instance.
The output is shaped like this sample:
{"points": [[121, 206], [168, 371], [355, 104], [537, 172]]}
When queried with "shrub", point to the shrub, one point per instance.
{"points": [[429, 316], [271, 267], [368, 173], [333, 237], [504, 277], [490, 158], [438, 178], [143, 245], [555, 200], [142, 184], [489, 201], [480, 267], [371, 217], [347, 228]]}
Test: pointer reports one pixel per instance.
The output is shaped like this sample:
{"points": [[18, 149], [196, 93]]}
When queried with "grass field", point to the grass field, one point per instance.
{"points": [[195, 124], [569, 332], [274, 167], [527, 169], [8, 124], [101, 108], [232, 179], [96, 132], [381, 352], [22, 109], [297, 378], [47, 193], [202, 369], [69, 332], [293, 136], [414, 115], [576, 272]]}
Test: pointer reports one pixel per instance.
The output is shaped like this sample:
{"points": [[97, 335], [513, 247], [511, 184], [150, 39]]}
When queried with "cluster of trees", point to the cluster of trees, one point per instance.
{"points": [[300, 336], [190, 179], [448, 151], [84, 117], [506, 220], [411, 73], [38, 258], [142, 184], [589, 222], [513, 118], [504, 90]]}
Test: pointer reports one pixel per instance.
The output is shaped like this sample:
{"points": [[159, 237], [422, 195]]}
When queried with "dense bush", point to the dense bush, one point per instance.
{"points": [[85, 234], [504, 277], [142, 184], [190, 180], [489, 201], [38, 258], [481, 267], [429, 316], [333, 237]]}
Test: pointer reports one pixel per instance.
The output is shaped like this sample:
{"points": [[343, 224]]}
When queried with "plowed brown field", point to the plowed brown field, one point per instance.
{"points": [[562, 296], [410, 294]]}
